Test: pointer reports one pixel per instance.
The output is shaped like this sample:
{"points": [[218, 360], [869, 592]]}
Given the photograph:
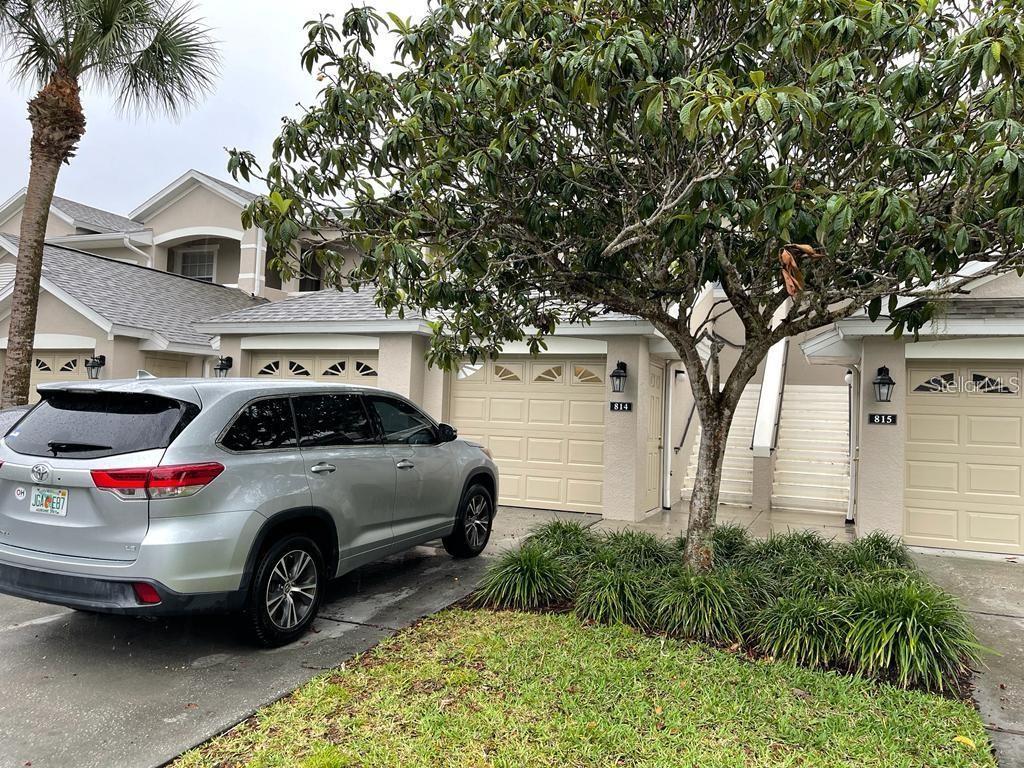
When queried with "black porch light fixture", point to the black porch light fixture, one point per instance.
{"points": [[220, 370], [884, 385], [93, 365], [618, 377]]}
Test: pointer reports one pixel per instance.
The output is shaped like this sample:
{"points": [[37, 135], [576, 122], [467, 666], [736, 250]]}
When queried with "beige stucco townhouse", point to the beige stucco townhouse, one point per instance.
{"points": [[178, 286]]}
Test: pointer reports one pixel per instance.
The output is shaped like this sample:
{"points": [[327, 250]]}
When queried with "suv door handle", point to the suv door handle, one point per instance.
{"points": [[322, 467], [405, 464]]}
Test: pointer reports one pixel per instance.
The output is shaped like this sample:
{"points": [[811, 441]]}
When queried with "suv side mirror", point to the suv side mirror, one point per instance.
{"points": [[447, 433]]}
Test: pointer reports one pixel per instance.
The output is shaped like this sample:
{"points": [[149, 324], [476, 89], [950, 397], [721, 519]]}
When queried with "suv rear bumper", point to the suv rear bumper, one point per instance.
{"points": [[108, 595]]}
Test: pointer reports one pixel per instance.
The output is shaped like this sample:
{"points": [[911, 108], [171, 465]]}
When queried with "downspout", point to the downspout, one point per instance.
{"points": [[853, 415], [668, 390], [133, 249]]}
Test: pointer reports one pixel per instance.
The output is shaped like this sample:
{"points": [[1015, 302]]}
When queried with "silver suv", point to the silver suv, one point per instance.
{"points": [[180, 495]]}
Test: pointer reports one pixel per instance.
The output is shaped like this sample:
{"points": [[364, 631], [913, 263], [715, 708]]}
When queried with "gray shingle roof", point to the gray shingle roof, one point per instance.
{"points": [[127, 294], [331, 305], [230, 187], [103, 221], [328, 305]]}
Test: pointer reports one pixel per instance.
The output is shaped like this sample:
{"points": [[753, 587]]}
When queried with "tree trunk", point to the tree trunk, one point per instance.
{"points": [[704, 498], [57, 126]]}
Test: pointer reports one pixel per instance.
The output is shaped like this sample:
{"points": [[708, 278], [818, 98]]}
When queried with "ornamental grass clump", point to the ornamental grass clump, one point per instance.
{"points": [[878, 552], [525, 579], [613, 595], [636, 549], [803, 629], [910, 633], [727, 543], [700, 606], [564, 538]]}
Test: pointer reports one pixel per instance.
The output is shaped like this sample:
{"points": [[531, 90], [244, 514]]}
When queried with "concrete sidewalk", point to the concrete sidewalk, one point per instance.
{"points": [[992, 592]]}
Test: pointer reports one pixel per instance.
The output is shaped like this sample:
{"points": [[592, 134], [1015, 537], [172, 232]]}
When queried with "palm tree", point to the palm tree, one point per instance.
{"points": [[150, 54]]}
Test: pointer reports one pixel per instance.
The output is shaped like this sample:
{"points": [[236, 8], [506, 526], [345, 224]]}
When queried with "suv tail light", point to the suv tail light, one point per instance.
{"points": [[157, 482]]}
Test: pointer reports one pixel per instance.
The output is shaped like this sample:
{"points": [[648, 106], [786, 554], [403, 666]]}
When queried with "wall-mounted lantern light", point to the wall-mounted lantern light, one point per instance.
{"points": [[93, 365], [884, 385], [220, 370], [680, 374], [618, 377]]}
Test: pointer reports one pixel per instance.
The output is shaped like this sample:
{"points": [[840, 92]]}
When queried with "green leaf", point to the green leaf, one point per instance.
{"points": [[764, 108], [279, 202], [757, 78], [874, 308]]}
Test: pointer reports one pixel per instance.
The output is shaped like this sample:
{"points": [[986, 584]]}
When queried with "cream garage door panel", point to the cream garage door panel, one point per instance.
{"points": [[544, 422], [964, 464], [49, 367], [346, 367]]}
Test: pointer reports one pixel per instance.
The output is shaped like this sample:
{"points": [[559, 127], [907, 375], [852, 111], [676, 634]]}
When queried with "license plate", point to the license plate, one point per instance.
{"points": [[50, 501]]}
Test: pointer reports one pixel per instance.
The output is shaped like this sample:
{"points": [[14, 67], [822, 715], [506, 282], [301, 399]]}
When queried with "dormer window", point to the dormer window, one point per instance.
{"points": [[196, 261]]}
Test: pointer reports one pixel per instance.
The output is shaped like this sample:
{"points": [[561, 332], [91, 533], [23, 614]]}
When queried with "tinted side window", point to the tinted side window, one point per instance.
{"points": [[261, 425], [401, 423], [333, 420], [86, 425]]}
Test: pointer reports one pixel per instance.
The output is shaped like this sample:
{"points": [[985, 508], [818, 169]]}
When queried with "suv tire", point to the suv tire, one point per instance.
{"points": [[473, 524], [286, 591]]}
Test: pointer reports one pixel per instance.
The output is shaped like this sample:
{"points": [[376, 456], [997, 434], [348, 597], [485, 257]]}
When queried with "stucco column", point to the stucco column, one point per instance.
{"points": [[625, 433], [124, 358], [435, 392], [401, 366], [231, 346], [251, 260], [881, 466]]}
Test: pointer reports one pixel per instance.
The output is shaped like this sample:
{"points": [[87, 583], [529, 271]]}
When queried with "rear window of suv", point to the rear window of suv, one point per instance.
{"points": [[85, 425]]}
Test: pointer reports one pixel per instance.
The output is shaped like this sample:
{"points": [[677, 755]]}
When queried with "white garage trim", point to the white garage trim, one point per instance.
{"points": [[559, 345], [58, 341], [1008, 348], [310, 341]]}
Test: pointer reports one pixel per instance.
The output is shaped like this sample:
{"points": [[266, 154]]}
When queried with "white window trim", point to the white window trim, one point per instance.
{"points": [[179, 251]]}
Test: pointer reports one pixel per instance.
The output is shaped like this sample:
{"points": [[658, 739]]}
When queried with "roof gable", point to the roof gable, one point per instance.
{"points": [[74, 214], [187, 181]]}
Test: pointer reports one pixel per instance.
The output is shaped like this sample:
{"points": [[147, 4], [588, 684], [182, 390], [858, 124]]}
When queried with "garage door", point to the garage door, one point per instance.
{"points": [[50, 367], [323, 366], [166, 367], [544, 422], [964, 457]]}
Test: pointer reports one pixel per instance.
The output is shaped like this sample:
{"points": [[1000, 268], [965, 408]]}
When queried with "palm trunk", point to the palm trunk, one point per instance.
{"points": [[704, 498], [57, 126]]}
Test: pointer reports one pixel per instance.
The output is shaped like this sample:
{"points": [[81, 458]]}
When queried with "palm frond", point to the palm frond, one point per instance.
{"points": [[177, 67]]}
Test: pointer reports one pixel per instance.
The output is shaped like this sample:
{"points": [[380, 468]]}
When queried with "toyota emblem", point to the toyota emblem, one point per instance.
{"points": [[40, 472]]}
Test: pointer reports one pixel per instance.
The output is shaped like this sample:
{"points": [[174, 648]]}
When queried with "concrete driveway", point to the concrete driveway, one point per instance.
{"points": [[105, 691], [992, 592]]}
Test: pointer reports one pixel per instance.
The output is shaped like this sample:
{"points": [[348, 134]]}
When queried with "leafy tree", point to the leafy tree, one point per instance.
{"points": [[530, 162], [148, 53]]}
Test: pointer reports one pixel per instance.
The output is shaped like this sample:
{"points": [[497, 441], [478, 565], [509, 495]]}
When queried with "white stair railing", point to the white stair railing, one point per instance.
{"points": [[769, 403]]}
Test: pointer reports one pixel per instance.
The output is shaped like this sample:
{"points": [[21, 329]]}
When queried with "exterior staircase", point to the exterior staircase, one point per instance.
{"points": [[812, 466], [738, 468]]}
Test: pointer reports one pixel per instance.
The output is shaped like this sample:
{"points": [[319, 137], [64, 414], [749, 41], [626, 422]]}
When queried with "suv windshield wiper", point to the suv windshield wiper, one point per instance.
{"points": [[57, 446]]}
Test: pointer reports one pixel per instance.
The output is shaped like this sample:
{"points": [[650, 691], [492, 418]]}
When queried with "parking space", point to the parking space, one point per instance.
{"points": [[105, 691]]}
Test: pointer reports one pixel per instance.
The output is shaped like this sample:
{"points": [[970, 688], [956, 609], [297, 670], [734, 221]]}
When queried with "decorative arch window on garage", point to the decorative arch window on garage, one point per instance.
{"points": [[323, 367]]}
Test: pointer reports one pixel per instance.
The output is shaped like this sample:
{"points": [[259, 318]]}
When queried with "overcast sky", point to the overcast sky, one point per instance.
{"points": [[123, 160]]}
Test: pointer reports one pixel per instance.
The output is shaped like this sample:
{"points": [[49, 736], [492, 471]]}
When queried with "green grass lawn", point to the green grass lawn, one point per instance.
{"points": [[479, 688]]}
